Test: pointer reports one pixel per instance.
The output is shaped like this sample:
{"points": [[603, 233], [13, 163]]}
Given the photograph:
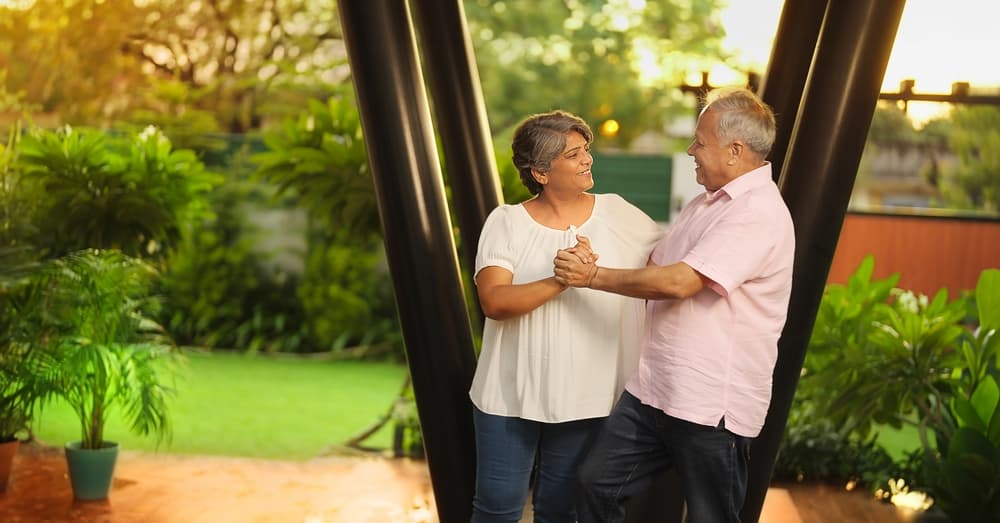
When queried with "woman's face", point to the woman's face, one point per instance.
{"points": [[571, 169]]}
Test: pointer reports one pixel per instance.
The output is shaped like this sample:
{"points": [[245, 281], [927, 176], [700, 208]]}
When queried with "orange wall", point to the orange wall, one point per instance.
{"points": [[927, 252]]}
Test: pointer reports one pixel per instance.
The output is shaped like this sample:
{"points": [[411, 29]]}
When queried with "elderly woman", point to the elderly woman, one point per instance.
{"points": [[554, 359]]}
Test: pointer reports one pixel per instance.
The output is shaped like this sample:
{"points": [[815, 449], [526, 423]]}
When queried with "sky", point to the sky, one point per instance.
{"points": [[937, 43]]}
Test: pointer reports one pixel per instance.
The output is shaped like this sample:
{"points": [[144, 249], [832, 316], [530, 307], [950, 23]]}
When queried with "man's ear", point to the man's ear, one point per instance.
{"points": [[736, 150]]}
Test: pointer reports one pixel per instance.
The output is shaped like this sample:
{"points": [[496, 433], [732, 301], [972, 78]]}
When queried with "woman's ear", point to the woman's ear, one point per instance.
{"points": [[540, 177]]}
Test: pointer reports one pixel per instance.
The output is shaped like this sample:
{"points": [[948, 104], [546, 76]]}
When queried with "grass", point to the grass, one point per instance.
{"points": [[235, 405]]}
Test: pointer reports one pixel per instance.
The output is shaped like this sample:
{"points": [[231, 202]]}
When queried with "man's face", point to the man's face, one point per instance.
{"points": [[711, 157]]}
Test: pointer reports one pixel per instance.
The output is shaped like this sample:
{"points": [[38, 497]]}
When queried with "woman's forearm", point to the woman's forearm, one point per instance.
{"points": [[502, 302]]}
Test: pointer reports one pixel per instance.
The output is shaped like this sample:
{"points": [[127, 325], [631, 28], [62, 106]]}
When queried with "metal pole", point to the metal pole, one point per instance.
{"points": [[816, 181], [460, 113], [419, 245], [794, 46]]}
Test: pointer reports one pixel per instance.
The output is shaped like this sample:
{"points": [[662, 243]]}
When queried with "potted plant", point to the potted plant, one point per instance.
{"points": [[16, 404], [100, 350], [18, 390]]}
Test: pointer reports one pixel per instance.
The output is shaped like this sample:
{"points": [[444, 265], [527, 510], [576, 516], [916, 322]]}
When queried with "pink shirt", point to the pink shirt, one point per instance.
{"points": [[712, 355]]}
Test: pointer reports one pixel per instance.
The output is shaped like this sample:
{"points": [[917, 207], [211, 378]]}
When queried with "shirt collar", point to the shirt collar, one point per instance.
{"points": [[743, 183]]}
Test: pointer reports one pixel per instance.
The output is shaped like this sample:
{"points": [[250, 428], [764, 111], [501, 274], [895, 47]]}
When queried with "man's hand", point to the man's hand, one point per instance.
{"points": [[582, 250], [575, 266]]}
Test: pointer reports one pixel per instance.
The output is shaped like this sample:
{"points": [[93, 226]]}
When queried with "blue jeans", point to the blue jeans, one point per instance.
{"points": [[638, 442], [506, 449]]}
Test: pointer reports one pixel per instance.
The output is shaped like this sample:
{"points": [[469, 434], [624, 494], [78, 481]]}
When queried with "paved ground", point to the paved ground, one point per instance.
{"points": [[165, 488], [169, 488]]}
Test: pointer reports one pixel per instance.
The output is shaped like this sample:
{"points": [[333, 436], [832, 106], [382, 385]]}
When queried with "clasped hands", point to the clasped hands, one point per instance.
{"points": [[577, 265]]}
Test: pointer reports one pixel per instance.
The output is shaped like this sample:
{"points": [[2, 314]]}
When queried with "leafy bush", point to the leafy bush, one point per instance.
{"points": [[217, 291], [963, 468], [133, 194], [883, 356], [348, 297], [873, 360], [318, 162], [815, 449]]}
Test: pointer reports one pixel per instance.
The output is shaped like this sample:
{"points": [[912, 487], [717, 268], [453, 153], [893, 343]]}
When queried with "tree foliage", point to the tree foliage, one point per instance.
{"points": [[602, 60], [975, 138], [100, 55]]}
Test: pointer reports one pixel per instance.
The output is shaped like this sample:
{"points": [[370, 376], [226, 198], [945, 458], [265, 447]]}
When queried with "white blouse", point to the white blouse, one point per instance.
{"points": [[570, 358]]}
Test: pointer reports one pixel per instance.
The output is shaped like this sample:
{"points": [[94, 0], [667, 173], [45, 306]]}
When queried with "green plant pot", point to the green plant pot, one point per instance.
{"points": [[91, 470], [8, 449]]}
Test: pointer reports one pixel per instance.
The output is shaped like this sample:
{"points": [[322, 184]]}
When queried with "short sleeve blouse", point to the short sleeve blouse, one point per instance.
{"points": [[570, 358]]}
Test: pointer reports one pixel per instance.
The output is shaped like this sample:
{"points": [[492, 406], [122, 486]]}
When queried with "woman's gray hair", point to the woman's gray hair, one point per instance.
{"points": [[745, 117], [539, 139]]}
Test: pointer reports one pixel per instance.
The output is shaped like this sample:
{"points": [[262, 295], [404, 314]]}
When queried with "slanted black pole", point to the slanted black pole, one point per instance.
{"points": [[816, 181], [794, 46], [421, 252], [460, 114]]}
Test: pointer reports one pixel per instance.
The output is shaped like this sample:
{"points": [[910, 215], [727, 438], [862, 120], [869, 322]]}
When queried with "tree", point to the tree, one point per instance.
{"points": [[975, 138], [64, 56], [99, 55], [621, 60]]}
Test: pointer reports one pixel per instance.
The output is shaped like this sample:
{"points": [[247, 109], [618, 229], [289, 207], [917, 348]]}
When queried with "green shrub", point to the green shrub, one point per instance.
{"points": [[347, 296], [884, 356], [963, 468], [133, 193], [815, 449], [219, 293], [318, 162]]}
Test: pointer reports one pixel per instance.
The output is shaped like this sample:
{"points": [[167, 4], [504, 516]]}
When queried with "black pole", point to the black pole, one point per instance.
{"points": [[460, 113], [794, 46], [420, 249], [816, 181]]}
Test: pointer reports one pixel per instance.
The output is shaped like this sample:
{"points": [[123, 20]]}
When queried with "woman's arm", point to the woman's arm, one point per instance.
{"points": [[501, 299]]}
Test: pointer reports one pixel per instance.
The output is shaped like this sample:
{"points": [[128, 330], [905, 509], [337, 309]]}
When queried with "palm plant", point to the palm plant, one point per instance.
{"points": [[100, 350]]}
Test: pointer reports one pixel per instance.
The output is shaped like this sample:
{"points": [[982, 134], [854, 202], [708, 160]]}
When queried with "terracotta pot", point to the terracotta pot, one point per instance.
{"points": [[8, 449]]}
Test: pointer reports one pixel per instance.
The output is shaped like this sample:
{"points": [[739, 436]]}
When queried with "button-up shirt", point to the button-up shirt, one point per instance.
{"points": [[712, 355]]}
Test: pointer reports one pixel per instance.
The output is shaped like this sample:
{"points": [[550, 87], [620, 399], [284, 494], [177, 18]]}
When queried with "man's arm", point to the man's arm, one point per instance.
{"points": [[653, 282]]}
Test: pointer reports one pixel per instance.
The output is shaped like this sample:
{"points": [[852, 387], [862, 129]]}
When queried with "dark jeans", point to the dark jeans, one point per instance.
{"points": [[506, 448], [639, 441]]}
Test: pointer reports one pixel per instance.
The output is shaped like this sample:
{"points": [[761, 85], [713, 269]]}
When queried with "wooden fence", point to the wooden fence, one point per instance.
{"points": [[929, 252]]}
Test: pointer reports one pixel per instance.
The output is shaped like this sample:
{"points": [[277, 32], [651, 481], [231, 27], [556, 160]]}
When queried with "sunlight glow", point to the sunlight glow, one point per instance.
{"points": [[17, 4], [936, 45]]}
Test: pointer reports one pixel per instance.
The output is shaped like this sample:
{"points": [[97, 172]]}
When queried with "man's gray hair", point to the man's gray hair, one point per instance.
{"points": [[745, 117]]}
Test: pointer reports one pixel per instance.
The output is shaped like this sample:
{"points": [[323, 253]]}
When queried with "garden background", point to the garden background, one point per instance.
{"points": [[218, 145]]}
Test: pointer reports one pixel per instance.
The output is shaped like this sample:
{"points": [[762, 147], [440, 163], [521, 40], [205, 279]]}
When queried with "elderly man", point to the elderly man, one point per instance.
{"points": [[717, 288]]}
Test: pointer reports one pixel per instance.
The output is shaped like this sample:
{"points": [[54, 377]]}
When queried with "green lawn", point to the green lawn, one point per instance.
{"points": [[235, 405]]}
